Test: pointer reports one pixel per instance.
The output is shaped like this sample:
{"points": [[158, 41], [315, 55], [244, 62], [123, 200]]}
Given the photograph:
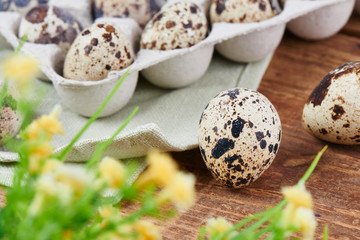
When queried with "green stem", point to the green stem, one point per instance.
{"points": [[202, 233], [21, 43], [263, 231], [62, 154], [326, 233], [313, 165], [101, 148]]}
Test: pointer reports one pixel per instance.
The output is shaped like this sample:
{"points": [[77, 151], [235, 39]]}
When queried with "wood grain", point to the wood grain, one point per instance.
{"points": [[296, 68]]}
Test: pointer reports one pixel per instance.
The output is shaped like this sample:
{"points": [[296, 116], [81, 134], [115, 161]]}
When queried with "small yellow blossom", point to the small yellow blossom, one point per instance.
{"points": [[180, 190], [298, 212], [20, 68], [48, 124], [68, 235], [106, 211], [147, 230], [37, 154], [48, 188], [112, 171], [51, 165], [304, 220], [217, 226], [160, 171], [77, 179], [298, 196]]}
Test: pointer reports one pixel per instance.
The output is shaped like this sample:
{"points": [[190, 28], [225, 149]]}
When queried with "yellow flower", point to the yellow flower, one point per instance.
{"points": [[68, 235], [48, 188], [51, 165], [160, 171], [146, 230], [112, 171], [180, 190], [217, 226], [20, 68], [48, 124], [77, 179], [298, 212], [304, 220], [298, 196], [37, 154]]}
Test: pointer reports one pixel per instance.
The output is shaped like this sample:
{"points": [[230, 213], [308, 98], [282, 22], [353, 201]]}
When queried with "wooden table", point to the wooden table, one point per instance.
{"points": [[295, 70]]}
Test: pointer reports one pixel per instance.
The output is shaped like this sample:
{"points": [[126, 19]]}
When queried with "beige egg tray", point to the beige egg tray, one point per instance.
{"points": [[180, 67]]}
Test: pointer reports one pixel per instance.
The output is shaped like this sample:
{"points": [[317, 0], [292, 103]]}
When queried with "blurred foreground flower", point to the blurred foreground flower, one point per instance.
{"points": [[53, 200], [298, 213], [21, 69]]}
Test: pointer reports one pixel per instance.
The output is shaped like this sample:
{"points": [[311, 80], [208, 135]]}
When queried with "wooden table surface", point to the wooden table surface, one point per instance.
{"points": [[296, 68]]}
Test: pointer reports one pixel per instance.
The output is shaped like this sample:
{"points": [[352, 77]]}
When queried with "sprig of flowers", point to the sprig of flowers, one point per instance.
{"points": [[294, 214], [51, 200]]}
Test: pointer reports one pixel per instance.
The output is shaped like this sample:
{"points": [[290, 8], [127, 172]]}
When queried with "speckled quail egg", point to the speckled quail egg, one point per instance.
{"points": [[50, 24], [239, 136], [179, 25], [20, 6], [139, 10], [99, 49], [10, 120], [332, 112], [241, 11]]}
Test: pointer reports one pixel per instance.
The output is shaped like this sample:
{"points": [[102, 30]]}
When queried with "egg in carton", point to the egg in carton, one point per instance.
{"points": [[323, 22], [178, 29], [169, 68]]}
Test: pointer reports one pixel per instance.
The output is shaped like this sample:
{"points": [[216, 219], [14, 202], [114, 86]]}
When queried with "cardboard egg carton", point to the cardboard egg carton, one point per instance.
{"points": [[179, 67]]}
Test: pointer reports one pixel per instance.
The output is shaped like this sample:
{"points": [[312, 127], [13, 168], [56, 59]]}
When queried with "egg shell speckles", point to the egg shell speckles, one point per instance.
{"points": [[179, 25], [139, 10], [20, 6], [49, 24], [99, 49], [332, 112], [241, 11], [239, 136], [10, 123]]}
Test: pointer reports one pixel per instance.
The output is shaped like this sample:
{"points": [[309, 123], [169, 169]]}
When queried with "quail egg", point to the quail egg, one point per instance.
{"points": [[49, 24], [241, 11], [99, 49], [140, 10], [20, 6], [332, 112], [239, 136], [179, 25]]}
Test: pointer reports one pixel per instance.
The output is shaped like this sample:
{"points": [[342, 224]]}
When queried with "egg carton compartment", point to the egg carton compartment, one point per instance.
{"points": [[323, 22], [242, 42]]}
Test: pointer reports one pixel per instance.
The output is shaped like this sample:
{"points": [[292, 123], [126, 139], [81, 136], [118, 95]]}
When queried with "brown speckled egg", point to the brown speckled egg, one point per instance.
{"points": [[20, 6], [50, 24], [139, 10], [179, 25], [239, 136], [10, 119], [332, 112], [99, 49], [241, 11]]}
